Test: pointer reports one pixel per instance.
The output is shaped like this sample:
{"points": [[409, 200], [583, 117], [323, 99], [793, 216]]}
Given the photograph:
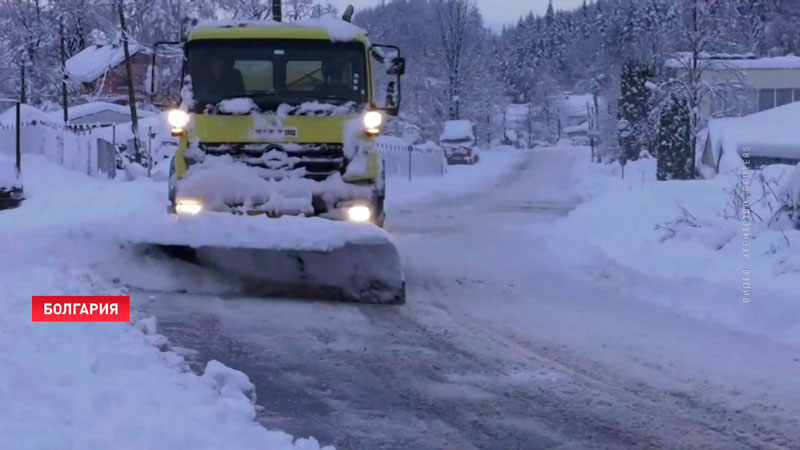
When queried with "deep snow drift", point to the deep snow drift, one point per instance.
{"points": [[96, 385], [690, 231]]}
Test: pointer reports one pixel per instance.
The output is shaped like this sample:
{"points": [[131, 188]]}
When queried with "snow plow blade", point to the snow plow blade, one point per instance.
{"points": [[285, 257], [363, 273]]}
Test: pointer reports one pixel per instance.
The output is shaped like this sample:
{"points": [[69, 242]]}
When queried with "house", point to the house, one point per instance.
{"points": [[759, 83], [101, 72], [767, 137], [98, 114], [575, 116]]}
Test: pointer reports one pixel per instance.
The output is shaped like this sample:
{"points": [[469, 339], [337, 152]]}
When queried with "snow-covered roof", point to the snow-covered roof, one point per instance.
{"points": [[88, 109], [455, 130], [576, 129], [338, 30], [429, 145], [735, 62], [772, 133], [28, 114], [94, 61]]}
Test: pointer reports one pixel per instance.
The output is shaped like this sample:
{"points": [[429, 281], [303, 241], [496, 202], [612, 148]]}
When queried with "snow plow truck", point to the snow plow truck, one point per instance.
{"points": [[276, 124]]}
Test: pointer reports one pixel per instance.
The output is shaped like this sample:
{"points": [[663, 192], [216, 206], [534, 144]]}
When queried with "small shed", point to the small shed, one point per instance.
{"points": [[99, 113], [768, 137], [101, 71]]}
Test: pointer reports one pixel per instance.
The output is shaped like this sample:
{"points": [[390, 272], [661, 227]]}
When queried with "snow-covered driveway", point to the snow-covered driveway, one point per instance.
{"points": [[502, 345]]}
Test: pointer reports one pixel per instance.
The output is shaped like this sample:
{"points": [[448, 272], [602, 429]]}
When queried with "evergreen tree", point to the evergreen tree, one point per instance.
{"points": [[675, 161], [634, 105]]}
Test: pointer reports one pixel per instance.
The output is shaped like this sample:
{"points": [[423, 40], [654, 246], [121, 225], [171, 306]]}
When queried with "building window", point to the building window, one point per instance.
{"points": [[766, 99], [797, 95], [783, 97]]}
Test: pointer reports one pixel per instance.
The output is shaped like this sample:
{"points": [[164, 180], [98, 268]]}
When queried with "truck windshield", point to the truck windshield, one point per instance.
{"points": [[272, 72]]}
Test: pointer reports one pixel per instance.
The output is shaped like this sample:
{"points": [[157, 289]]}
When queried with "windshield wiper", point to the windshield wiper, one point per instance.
{"points": [[249, 95]]}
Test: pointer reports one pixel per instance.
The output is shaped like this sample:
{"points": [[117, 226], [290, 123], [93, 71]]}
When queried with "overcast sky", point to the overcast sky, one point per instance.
{"points": [[496, 13]]}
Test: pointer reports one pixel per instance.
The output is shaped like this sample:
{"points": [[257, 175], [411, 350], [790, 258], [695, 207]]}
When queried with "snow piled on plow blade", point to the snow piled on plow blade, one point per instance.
{"points": [[284, 257]]}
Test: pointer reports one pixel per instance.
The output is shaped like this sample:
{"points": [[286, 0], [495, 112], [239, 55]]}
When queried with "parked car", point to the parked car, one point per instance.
{"points": [[10, 184], [458, 142]]}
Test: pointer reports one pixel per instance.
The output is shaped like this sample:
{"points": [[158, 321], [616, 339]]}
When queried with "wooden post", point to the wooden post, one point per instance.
{"points": [[19, 138], [131, 93], [23, 97], [63, 71], [409, 163], [530, 128]]}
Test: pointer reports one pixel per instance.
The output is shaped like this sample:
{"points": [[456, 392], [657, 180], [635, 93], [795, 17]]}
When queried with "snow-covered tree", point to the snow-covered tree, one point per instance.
{"points": [[634, 104], [675, 161]]}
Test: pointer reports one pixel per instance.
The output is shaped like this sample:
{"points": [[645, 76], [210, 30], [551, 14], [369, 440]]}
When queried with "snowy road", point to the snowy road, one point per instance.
{"points": [[501, 346]]}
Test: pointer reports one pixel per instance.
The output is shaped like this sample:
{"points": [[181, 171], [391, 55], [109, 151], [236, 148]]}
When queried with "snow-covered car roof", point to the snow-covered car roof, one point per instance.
{"points": [[457, 130], [8, 173]]}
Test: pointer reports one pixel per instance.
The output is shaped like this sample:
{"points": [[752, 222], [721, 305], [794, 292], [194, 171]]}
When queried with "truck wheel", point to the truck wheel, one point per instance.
{"points": [[380, 214]]}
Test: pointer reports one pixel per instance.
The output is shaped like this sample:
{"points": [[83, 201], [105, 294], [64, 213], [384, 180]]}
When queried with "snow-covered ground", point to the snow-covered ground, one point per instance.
{"points": [[63, 382], [460, 180], [503, 342], [89, 385], [688, 231]]}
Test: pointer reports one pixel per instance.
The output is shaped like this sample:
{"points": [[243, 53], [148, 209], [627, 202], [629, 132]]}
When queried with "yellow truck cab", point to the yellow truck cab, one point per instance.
{"points": [[279, 119]]}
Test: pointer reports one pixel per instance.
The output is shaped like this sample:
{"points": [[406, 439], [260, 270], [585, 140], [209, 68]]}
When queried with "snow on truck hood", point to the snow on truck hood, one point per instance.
{"points": [[219, 181]]}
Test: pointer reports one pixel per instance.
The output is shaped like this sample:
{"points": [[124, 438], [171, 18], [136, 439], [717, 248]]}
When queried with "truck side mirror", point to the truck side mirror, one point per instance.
{"points": [[167, 64], [392, 106], [398, 66], [395, 66]]}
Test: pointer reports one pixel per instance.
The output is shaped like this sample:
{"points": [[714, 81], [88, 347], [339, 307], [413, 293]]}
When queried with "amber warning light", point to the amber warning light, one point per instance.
{"points": [[68, 308]]}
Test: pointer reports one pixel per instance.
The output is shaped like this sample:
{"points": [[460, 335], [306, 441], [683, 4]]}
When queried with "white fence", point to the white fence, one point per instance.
{"points": [[78, 150], [71, 148], [403, 159]]}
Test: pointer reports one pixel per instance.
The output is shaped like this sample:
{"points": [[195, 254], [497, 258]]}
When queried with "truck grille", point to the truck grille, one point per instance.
{"points": [[314, 161]]}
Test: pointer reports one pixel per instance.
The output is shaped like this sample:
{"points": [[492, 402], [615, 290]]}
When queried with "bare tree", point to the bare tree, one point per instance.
{"points": [[701, 32], [454, 18]]}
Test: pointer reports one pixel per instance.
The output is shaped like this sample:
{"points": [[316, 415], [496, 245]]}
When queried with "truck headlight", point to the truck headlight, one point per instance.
{"points": [[373, 121], [177, 119], [359, 213], [188, 207]]}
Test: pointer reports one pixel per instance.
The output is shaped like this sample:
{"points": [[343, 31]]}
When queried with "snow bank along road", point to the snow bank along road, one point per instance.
{"points": [[501, 346]]}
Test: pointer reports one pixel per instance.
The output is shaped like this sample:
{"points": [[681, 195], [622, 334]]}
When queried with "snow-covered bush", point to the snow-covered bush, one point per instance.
{"points": [[788, 215]]}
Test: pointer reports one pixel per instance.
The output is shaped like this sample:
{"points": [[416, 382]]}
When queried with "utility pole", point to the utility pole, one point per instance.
{"points": [[63, 70], [23, 95], [131, 93], [530, 129], [489, 129]]}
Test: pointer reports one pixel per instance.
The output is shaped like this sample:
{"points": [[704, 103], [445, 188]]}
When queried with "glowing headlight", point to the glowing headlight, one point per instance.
{"points": [[188, 207], [359, 213], [177, 118], [373, 120]]}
